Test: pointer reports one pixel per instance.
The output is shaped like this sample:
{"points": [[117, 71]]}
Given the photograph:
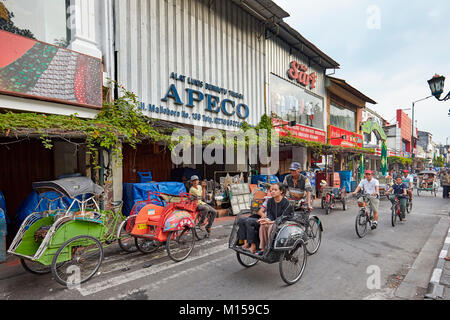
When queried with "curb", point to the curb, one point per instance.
{"points": [[435, 289]]}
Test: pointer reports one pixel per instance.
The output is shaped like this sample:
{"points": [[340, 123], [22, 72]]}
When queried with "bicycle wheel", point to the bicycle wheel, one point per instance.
{"points": [[409, 206], [35, 267], [146, 246], [394, 215], [200, 231], [315, 236], [292, 264], [180, 244], [327, 208], [322, 204], [125, 239], [82, 255], [246, 261], [361, 224]]}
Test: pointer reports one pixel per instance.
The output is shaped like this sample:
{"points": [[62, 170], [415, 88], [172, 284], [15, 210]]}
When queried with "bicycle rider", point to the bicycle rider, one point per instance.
{"points": [[371, 186], [400, 191], [408, 180]]}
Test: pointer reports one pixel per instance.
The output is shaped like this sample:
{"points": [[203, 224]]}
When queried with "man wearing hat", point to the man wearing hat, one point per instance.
{"points": [[371, 186], [298, 184], [206, 210]]}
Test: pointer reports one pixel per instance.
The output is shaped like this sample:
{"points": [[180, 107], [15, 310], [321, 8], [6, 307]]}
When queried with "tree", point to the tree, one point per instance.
{"points": [[7, 24], [439, 162]]}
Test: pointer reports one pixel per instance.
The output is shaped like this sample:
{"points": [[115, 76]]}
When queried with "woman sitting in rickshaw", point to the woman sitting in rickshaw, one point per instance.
{"points": [[253, 230]]}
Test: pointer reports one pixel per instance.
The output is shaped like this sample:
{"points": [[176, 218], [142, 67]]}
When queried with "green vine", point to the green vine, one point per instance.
{"points": [[118, 121]]}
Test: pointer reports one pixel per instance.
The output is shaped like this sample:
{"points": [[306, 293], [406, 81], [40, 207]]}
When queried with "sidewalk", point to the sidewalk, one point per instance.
{"points": [[439, 287]]}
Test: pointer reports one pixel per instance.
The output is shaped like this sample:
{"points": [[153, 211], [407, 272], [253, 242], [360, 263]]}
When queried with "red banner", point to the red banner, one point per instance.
{"points": [[300, 132], [351, 140]]}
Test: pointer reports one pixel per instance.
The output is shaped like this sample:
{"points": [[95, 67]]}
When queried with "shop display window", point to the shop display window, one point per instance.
{"points": [[41, 20], [290, 102], [342, 118]]}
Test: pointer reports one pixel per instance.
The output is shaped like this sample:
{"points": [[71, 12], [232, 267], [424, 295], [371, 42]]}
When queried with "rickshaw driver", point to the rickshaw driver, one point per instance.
{"points": [[206, 210], [408, 180], [371, 186], [298, 184]]}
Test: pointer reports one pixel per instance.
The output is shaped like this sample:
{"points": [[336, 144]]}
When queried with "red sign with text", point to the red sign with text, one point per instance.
{"points": [[300, 132], [351, 140]]}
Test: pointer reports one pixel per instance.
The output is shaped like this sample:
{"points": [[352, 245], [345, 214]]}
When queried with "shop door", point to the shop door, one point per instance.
{"points": [[146, 157], [21, 164]]}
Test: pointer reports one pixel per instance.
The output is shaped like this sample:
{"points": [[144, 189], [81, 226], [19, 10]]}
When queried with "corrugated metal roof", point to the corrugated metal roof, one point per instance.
{"points": [[269, 12], [342, 83]]}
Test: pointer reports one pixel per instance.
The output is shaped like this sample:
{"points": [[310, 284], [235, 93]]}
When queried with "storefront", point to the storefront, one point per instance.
{"points": [[49, 65], [345, 105], [194, 65], [297, 93]]}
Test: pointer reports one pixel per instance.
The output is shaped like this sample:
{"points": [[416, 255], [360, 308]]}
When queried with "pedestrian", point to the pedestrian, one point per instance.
{"points": [[445, 181]]}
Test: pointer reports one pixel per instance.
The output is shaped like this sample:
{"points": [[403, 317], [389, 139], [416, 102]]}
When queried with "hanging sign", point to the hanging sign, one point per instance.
{"points": [[351, 139]]}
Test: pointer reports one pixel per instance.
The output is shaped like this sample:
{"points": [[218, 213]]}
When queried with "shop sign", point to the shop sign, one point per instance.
{"points": [[299, 73], [220, 102], [300, 132], [351, 140], [390, 153]]}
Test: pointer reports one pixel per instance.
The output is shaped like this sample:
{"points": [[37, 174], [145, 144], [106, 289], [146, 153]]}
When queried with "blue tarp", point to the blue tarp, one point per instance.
{"points": [[2, 222], [3, 207], [134, 192], [29, 205], [346, 178], [263, 178]]}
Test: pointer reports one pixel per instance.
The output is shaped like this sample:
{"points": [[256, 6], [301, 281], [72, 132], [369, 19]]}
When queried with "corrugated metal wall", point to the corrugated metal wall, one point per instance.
{"points": [[219, 45]]}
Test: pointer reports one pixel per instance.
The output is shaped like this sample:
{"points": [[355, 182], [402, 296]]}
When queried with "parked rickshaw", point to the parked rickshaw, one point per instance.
{"points": [[427, 181], [173, 224], [68, 242], [290, 242]]}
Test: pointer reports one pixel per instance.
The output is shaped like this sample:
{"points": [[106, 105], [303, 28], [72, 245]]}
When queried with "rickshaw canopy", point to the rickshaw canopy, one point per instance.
{"points": [[428, 172], [71, 187]]}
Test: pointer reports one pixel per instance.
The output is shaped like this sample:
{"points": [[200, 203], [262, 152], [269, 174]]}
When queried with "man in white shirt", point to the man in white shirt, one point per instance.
{"points": [[371, 186]]}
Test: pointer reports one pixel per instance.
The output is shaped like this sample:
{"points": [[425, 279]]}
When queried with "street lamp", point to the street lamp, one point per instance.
{"points": [[437, 87]]}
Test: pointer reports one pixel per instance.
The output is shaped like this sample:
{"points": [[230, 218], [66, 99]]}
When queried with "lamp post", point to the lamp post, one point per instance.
{"points": [[413, 155]]}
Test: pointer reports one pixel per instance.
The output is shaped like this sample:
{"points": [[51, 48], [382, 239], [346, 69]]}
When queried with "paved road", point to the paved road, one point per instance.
{"points": [[338, 271]]}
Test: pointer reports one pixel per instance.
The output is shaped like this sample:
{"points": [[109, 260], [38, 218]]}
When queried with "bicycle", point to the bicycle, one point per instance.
{"points": [[396, 212], [365, 217]]}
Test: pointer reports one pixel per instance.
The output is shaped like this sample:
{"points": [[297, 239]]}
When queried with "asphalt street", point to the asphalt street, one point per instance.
{"points": [[345, 267]]}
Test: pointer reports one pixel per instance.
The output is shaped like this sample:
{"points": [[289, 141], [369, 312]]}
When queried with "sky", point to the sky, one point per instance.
{"points": [[386, 49]]}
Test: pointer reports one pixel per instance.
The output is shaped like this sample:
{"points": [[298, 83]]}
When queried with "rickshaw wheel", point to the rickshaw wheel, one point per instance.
{"points": [[180, 244], [125, 240], [246, 261], [292, 264], [146, 245], [315, 237], [35, 267], [86, 256], [200, 231]]}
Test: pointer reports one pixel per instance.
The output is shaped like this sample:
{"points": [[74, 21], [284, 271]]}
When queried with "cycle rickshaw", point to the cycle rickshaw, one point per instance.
{"points": [[427, 181], [164, 220], [290, 242], [68, 240]]}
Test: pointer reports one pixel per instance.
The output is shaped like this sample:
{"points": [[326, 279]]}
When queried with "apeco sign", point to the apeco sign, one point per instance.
{"points": [[299, 73]]}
